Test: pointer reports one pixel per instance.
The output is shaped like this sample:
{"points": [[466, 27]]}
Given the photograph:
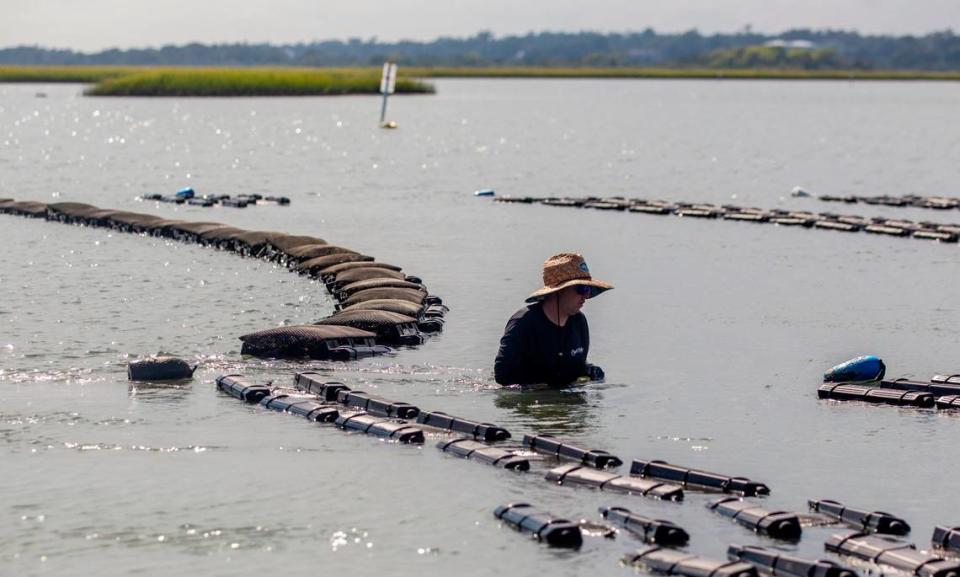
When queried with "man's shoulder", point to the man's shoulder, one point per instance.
{"points": [[526, 313], [526, 316]]}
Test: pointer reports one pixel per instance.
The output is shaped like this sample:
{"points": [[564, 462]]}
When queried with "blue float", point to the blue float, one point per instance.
{"points": [[859, 370]]}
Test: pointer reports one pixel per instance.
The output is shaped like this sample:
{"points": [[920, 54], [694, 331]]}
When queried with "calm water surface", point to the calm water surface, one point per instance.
{"points": [[713, 342]]}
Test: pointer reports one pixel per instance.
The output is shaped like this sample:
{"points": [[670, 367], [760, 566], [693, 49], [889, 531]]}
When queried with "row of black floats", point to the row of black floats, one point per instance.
{"points": [[861, 379], [377, 304], [324, 401], [924, 230], [884, 552], [320, 400], [317, 399], [870, 542], [907, 200], [647, 478], [190, 197], [941, 392]]}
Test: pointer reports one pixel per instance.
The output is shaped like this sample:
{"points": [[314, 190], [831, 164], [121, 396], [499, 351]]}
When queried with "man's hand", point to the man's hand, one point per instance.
{"points": [[594, 372]]}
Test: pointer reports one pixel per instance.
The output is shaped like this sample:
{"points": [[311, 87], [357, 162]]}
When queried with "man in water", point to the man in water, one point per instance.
{"points": [[547, 342]]}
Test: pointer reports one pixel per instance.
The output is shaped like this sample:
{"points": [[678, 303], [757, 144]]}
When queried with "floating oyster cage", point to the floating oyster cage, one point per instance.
{"points": [[397, 423], [922, 230], [940, 392], [189, 197], [375, 308], [907, 200]]}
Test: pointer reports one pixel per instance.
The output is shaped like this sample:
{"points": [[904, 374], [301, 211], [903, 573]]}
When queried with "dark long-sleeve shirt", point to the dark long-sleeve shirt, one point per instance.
{"points": [[535, 350]]}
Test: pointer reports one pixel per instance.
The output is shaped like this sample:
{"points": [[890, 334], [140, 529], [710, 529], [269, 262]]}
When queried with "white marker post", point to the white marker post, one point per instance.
{"points": [[388, 83]]}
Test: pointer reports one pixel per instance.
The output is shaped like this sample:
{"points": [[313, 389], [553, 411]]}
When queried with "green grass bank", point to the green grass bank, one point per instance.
{"points": [[143, 81], [250, 82]]}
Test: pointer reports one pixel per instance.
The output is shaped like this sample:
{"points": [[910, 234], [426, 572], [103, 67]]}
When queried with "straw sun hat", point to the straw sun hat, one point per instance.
{"points": [[563, 270]]}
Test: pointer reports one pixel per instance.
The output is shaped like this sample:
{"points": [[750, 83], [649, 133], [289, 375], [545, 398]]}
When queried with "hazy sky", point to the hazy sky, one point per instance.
{"points": [[91, 25]]}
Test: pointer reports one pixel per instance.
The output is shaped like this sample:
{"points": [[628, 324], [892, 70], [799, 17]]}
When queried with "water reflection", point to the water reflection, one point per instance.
{"points": [[167, 392], [550, 411]]}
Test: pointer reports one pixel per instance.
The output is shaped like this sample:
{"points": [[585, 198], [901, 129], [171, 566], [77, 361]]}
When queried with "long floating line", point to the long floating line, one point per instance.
{"points": [[907, 200], [379, 304], [803, 219]]}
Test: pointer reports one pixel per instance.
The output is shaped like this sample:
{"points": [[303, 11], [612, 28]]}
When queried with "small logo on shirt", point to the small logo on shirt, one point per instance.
{"points": [[576, 351]]}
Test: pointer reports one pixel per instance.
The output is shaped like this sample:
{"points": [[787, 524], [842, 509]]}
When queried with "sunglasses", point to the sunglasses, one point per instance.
{"points": [[583, 290]]}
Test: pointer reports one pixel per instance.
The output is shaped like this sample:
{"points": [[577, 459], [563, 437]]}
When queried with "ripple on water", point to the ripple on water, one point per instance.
{"points": [[189, 538], [350, 538], [73, 375]]}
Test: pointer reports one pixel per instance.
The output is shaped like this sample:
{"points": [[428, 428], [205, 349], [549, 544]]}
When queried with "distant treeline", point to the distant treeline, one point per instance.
{"points": [[799, 49]]}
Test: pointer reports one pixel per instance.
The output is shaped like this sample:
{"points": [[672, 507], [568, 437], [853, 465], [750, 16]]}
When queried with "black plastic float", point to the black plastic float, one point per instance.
{"points": [[237, 386], [948, 402], [337, 392], [435, 311], [947, 538], [314, 383], [652, 208], [655, 531], [377, 406], [695, 479], [543, 526], [777, 563], [486, 431], [302, 406], [842, 392], [355, 352], [470, 449], [314, 408], [934, 388], [696, 213], [604, 481], [792, 221], [394, 430], [550, 445], [776, 524], [837, 225], [671, 562], [746, 216], [887, 230], [600, 205], [894, 553], [562, 202], [867, 521]]}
